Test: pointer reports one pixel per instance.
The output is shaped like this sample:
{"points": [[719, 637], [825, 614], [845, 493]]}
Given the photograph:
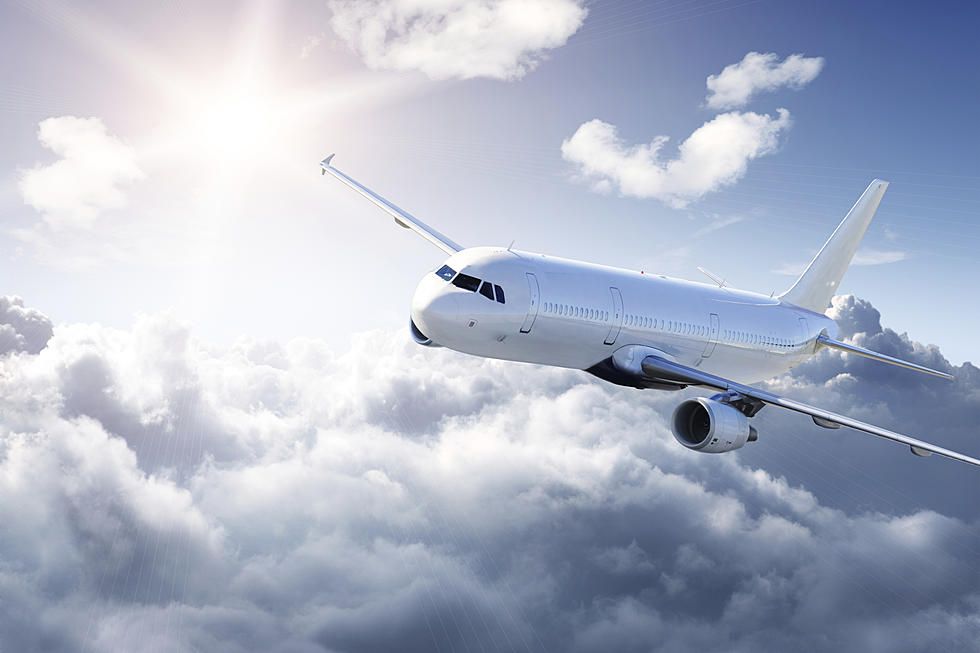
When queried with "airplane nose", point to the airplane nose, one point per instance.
{"points": [[434, 308]]}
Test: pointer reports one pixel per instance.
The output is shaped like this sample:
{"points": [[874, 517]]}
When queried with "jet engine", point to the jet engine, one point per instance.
{"points": [[711, 426]]}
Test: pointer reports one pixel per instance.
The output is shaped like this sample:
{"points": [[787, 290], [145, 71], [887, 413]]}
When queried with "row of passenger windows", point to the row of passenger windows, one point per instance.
{"points": [[687, 328], [744, 337], [489, 290], [580, 312], [671, 326]]}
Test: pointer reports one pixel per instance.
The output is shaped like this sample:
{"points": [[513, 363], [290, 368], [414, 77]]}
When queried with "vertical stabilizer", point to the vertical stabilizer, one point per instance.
{"points": [[818, 283]]}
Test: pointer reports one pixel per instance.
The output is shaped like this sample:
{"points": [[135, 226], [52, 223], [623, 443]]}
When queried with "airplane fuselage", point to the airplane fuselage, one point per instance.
{"points": [[580, 315]]}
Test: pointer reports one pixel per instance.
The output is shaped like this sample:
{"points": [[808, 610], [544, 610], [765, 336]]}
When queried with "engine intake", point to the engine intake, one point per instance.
{"points": [[711, 426]]}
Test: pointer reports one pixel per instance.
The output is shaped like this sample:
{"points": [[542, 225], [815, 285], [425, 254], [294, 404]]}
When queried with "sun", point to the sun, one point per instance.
{"points": [[229, 125]]}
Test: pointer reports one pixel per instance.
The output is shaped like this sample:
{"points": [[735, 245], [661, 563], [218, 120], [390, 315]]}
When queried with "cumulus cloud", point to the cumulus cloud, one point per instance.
{"points": [[90, 176], [755, 73], [716, 154], [22, 329], [158, 494], [461, 39]]}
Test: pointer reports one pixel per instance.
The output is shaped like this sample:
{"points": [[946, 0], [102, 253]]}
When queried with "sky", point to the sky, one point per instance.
{"points": [[215, 433]]}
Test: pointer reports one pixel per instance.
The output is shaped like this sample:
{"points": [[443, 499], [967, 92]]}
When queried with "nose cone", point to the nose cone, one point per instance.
{"points": [[435, 308]]}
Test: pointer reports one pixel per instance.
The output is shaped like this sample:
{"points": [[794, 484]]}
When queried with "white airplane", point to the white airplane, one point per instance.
{"points": [[647, 330]]}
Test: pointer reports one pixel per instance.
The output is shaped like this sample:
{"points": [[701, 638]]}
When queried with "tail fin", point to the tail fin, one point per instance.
{"points": [[815, 287]]}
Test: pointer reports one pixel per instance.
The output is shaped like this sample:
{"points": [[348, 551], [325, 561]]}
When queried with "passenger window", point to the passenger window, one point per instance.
{"points": [[466, 282], [487, 290], [500, 295], [446, 272]]}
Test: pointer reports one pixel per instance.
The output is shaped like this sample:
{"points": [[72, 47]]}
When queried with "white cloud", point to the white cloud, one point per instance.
{"points": [[756, 72], [864, 256], [22, 329], [462, 39], [88, 179], [790, 269], [157, 494], [312, 43], [870, 256], [716, 154], [717, 223]]}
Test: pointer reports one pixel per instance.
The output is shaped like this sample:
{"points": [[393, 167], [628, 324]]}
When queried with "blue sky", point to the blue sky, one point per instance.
{"points": [[481, 159]]}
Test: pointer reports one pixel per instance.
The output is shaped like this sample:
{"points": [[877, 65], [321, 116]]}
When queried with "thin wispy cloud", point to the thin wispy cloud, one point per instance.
{"points": [[870, 256], [717, 223], [312, 43], [865, 256], [456, 39], [715, 155], [756, 73]]}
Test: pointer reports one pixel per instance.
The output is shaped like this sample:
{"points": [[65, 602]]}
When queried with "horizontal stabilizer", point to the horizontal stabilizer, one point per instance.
{"points": [[873, 355]]}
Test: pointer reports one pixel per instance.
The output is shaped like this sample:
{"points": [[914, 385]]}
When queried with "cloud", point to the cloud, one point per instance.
{"points": [[456, 39], [22, 329], [89, 178], [716, 154], [870, 256], [717, 223], [312, 43], [159, 494], [790, 269], [866, 256], [755, 73]]}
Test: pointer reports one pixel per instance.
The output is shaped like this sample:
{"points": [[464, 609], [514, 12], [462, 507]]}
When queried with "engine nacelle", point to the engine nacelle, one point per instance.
{"points": [[711, 426]]}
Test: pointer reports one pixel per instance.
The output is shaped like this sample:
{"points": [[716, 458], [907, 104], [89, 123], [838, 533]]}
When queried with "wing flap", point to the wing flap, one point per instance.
{"points": [[402, 218], [882, 358], [656, 367]]}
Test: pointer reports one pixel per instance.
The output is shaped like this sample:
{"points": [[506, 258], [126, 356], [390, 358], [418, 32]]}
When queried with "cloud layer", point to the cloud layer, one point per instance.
{"points": [[456, 39], [716, 154], [158, 495], [756, 73], [90, 176]]}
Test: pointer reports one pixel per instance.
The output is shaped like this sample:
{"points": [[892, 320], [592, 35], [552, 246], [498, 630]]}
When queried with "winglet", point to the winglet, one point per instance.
{"points": [[326, 163]]}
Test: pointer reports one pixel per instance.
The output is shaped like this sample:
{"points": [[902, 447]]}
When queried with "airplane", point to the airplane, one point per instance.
{"points": [[644, 330]]}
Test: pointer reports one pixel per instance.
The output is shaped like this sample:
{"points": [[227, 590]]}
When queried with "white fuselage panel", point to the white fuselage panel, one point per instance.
{"points": [[582, 313]]}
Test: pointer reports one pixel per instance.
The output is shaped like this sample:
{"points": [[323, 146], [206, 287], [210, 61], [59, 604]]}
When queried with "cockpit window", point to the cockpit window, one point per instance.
{"points": [[466, 282], [500, 294], [487, 290], [446, 272]]}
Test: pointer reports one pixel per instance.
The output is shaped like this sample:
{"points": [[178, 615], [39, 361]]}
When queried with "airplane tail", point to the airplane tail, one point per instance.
{"points": [[818, 283]]}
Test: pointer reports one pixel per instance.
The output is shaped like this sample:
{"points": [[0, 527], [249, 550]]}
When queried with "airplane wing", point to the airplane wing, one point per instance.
{"points": [[402, 217], [660, 368]]}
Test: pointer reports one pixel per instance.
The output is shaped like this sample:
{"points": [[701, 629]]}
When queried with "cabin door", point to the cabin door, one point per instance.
{"points": [[532, 309], [712, 336], [616, 316], [804, 331]]}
